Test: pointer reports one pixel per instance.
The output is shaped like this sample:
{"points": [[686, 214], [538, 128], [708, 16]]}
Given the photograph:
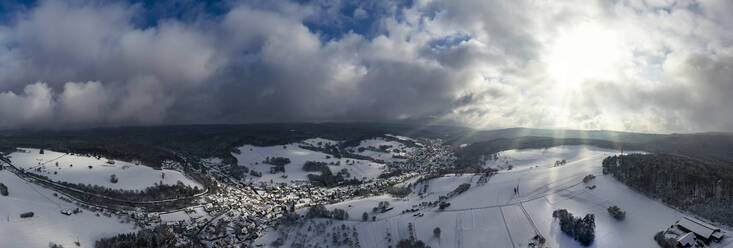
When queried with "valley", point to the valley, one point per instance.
{"points": [[376, 191]]}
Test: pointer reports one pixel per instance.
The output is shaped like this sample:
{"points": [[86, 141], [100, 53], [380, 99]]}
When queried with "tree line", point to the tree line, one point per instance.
{"points": [[704, 187]]}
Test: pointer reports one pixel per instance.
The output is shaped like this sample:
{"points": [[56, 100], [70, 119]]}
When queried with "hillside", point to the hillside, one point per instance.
{"points": [[155, 144], [708, 146], [488, 212]]}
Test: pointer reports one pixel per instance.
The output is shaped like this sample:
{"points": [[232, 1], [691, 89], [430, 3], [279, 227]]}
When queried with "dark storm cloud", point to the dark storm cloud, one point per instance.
{"points": [[479, 63]]}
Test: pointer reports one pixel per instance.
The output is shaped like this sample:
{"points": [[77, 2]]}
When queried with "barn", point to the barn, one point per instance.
{"points": [[702, 230]]}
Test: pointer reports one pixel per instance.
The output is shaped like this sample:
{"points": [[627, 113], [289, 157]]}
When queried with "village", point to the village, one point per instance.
{"points": [[240, 212]]}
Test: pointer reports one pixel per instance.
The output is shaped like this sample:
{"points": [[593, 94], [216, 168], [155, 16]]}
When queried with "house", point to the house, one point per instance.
{"points": [[702, 230]]}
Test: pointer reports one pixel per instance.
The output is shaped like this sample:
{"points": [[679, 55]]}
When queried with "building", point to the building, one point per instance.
{"points": [[687, 240], [702, 230]]}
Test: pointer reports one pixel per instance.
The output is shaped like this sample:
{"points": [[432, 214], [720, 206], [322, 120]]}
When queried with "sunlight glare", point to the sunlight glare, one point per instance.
{"points": [[582, 53]]}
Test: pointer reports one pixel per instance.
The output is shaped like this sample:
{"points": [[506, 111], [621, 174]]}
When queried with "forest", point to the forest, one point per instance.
{"points": [[159, 236], [704, 187]]}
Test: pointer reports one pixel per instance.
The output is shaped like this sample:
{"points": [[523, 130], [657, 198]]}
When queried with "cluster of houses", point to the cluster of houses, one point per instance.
{"points": [[433, 154], [241, 212]]}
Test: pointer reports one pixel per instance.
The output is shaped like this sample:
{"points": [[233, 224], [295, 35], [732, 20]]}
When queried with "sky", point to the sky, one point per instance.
{"points": [[645, 66]]}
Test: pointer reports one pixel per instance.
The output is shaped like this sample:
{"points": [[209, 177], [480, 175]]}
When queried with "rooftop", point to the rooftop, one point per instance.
{"points": [[687, 239], [698, 227]]}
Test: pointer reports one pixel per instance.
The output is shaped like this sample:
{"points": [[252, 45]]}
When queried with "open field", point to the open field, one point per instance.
{"points": [[48, 225], [77, 169], [371, 148], [254, 156]]}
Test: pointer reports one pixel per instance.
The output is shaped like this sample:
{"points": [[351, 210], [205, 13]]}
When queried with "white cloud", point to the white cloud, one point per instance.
{"points": [[629, 65], [32, 108], [84, 103]]}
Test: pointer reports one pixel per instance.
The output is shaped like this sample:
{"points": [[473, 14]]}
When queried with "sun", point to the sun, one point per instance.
{"points": [[574, 57], [583, 52]]}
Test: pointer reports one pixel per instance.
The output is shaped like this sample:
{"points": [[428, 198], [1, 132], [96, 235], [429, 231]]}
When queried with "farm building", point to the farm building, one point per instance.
{"points": [[702, 230]]}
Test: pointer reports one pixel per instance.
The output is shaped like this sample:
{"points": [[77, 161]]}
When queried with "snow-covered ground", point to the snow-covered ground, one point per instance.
{"points": [[370, 148], [404, 138], [76, 169], [48, 225], [253, 157], [319, 142], [528, 158], [491, 215]]}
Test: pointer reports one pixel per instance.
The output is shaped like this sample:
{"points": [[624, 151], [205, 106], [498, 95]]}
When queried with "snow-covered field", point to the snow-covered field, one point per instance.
{"points": [[491, 215], [76, 169], [253, 157], [48, 225], [319, 142], [529, 158], [370, 148]]}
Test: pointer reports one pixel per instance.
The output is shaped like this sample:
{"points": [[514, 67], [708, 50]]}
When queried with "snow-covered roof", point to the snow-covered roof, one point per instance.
{"points": [[687, 240], [718, 234], [698, 227]]}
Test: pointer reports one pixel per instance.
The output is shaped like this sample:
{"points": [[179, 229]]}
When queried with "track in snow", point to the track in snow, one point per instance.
{"points": [[509, 233]]}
